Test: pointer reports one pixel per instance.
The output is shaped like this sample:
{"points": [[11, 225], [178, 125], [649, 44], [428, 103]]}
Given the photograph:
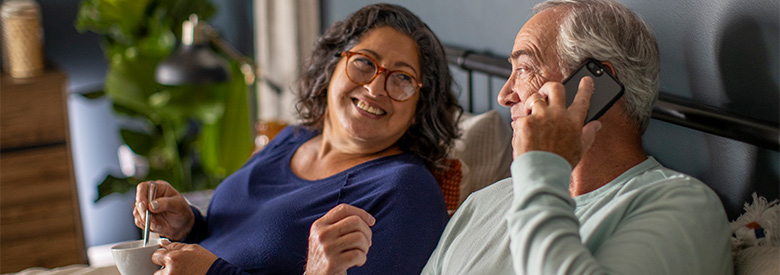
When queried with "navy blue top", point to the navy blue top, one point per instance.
{"points": [[259, 218]]}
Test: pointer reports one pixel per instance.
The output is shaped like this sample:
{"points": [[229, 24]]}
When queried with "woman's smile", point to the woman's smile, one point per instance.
{"points": [[366, 107]]}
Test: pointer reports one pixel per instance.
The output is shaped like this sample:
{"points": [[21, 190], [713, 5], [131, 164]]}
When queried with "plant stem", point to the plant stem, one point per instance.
{"points": [[182, 178]]}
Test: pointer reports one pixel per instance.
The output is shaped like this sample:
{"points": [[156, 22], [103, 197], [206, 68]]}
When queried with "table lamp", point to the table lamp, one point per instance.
{"points": [[195, 63]]}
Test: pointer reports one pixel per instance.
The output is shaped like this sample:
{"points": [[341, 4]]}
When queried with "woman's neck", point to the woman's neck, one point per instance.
{"points": [[322, 157]]}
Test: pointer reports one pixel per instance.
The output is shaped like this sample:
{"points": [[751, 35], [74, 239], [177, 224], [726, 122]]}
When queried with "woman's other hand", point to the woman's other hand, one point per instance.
{"points": [[180, 258], [172, 217], [339, 240]]}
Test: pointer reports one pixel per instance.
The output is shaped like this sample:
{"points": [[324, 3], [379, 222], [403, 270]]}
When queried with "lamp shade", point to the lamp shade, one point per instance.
{"points": [[192, 64]]}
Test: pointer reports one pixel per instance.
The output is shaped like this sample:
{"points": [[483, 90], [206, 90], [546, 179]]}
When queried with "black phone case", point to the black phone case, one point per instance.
{"points": [[606, 88]]}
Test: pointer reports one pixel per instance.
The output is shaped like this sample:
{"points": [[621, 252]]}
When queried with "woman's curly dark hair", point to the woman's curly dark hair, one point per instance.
{"points": [[435, 127]]}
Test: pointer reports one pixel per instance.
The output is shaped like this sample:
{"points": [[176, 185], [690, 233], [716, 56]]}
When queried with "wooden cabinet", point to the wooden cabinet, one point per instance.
{"points": [[40, 222]]}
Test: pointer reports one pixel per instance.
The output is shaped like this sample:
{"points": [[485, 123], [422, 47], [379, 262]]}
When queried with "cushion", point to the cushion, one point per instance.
{"points": [[449, 178], [481, 156]]}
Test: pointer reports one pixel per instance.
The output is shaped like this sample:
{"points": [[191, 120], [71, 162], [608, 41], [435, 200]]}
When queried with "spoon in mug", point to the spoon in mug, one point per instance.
{"points": [[152, 194]]}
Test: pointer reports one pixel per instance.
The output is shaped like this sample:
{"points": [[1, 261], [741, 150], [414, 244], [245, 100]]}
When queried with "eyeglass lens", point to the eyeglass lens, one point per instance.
{"points": [[363, 70]]}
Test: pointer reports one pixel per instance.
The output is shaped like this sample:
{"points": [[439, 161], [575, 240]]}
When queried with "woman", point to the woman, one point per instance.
{"points": [[377, 114]]}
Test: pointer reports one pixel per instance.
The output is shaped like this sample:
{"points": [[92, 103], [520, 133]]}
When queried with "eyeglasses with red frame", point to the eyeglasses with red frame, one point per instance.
{"points": [[362, 69]]}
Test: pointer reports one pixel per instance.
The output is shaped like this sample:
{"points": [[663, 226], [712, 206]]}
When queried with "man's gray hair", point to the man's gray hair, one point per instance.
{"points": [[609, 31]]}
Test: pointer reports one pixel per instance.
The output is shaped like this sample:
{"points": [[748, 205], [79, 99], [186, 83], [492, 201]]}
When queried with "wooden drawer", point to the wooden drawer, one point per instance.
{"points": [[32, 111], [40, 222]]}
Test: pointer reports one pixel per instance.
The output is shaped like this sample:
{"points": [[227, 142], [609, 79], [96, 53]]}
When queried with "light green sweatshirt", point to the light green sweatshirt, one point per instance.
{"points": [[649, 220]]}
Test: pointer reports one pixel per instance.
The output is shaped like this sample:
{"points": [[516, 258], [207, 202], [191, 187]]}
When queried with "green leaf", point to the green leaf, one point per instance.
{"points": [[122, 20], [129, 83], [141, 143], [93, 95], [185, 102], [113, 184], [159, 39], [122, 110], [226, 145]]}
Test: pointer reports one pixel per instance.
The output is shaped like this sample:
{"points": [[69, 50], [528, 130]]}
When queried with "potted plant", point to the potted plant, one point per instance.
{"points": [[190, 136]]}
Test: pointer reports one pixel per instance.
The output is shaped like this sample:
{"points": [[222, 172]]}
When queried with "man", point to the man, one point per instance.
{"points": [[584, 199]]}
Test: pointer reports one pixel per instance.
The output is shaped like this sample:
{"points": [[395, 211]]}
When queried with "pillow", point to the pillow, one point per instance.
{"points": [[449, 177], [481, 156]]}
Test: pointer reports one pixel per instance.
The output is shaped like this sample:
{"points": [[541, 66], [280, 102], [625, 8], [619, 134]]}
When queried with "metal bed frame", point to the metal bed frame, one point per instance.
{"points": [[670, 108]]}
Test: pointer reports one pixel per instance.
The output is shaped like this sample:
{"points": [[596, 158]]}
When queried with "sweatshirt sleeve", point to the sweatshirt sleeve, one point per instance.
{"points": [[411, 215], [197, 234], [672, 227], [199, 229]]}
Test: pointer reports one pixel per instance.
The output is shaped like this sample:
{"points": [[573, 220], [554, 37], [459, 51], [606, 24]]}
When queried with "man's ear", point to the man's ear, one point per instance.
{"points": [[609, 67]]}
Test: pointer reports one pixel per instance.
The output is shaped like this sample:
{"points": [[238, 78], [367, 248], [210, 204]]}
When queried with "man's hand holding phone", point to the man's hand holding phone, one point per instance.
{"points": [[607, 89], [554, 127]]}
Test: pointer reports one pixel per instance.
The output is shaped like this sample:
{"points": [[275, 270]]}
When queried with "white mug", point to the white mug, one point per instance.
{"points": [[132, 258]]}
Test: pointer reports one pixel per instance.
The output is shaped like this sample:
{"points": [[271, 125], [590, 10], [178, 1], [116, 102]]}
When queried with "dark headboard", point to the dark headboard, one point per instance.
{"points": [[672, 109]]}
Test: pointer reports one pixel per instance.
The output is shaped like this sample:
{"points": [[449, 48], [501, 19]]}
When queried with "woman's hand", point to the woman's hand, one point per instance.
{"points": [[339, 240], [180, 258], [172, 217]]}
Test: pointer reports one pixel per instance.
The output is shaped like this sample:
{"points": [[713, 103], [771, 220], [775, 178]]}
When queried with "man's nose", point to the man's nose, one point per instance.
{"points": [[508, 96]]}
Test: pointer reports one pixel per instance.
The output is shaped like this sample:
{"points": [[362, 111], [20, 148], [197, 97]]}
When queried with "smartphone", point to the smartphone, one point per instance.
{"points": [[606, 88]]}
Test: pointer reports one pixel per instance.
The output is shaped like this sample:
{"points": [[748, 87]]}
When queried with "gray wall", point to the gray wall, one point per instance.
{"points": [[94, 128], [719, 52]]}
